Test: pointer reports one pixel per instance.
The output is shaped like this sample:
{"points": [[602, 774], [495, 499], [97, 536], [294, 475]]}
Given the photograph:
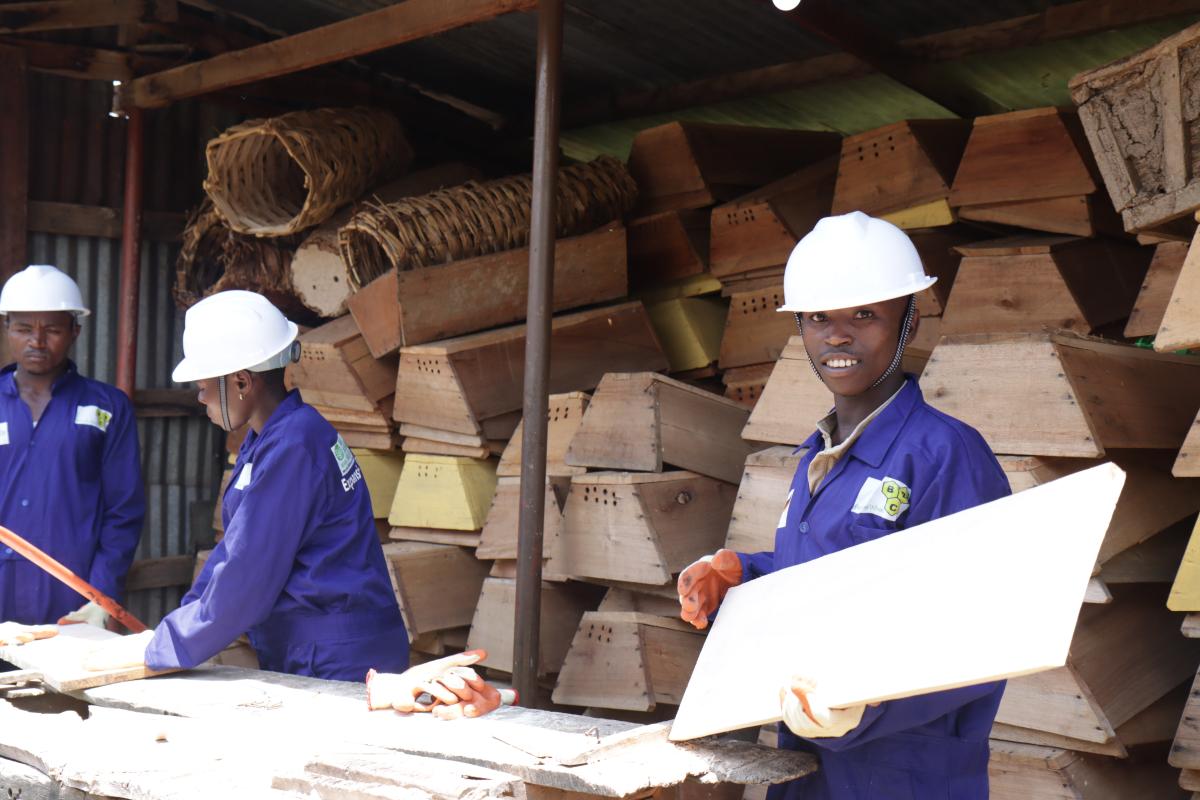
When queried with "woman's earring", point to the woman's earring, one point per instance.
{"points": [[241, 396]]}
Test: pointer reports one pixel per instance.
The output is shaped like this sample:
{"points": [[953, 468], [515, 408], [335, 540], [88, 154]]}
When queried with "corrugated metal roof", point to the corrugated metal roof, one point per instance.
{"points": [[1027, 77]]}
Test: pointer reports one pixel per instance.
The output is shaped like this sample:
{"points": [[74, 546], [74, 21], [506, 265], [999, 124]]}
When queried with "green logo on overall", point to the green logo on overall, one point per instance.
{"points": [[342, 454]]}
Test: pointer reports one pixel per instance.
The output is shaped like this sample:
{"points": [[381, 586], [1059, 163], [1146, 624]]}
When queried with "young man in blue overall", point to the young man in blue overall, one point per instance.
{"points": [[70, 471], [882, 460]]}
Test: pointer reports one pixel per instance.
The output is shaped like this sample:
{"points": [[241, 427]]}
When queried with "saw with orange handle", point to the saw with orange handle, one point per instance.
{"points": [[47, 563]]}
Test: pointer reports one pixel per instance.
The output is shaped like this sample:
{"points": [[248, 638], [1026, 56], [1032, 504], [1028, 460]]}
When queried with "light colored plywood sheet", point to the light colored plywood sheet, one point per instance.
{"points": [[1180, 327], [890, 608], [60, 659]]}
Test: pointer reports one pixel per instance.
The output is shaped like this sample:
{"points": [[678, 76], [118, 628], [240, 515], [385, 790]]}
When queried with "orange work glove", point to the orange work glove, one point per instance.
{"points": [[454, 689], [702, 586]]}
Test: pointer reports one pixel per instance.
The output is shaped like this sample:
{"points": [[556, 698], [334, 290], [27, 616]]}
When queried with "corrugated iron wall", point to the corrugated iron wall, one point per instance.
{"points": [[77, 155]]}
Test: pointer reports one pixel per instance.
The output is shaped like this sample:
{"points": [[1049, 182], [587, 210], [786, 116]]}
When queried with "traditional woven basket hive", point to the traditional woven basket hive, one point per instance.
{"points": [[478, 218], [214, 258], [278, 176]]}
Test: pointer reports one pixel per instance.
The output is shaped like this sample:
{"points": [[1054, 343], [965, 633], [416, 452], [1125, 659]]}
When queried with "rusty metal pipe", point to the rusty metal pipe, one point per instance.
{"points": [[527, 625], [131, 254], [50, 565]]}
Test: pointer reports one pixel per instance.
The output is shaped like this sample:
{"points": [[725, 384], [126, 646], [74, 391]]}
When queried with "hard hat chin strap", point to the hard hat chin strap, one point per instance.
{"points": [[905, 336], [221, 390]]}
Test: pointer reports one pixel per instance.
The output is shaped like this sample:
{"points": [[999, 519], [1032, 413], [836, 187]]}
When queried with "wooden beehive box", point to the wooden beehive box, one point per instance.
{"points": [[381, 471], [1151, 500], [565, 413], [938, 248], [628, 660], [696, 164], [744, 385], [400, 309], [1030, 283], [667, 246], [492, 629], [1037, 772], [498, 539], [689, 330], [443, 492], [903, 166], [1180, 326], [1185, 592], [1044, 142], [1141, 131], [647, 422], [1124, 657], [759, 230], [755, 331], [1061, 394], [458, 384], [371, 430], [761, 498], [336, 369], [794, 398], [642, 528], [437, 585], [1155, 294]]}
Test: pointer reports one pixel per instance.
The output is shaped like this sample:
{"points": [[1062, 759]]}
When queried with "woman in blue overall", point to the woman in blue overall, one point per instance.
{"points": [[300, 568], [882, 460]]}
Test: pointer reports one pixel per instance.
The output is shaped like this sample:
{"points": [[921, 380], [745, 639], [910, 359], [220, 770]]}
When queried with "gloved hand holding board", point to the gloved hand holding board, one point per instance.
{"points": [[988, 593]]}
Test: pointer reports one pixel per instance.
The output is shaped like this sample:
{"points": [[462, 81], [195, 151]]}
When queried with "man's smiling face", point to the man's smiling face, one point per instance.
{"points": [[852, 347]]}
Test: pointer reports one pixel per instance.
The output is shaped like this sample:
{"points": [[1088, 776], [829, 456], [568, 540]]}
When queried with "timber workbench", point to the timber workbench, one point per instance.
{"points": [[228, 732]]}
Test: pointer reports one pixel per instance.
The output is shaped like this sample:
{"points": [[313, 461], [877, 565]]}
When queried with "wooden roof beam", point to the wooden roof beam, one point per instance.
{"points": [[404, 22], [1066, 21], [55, 15]]}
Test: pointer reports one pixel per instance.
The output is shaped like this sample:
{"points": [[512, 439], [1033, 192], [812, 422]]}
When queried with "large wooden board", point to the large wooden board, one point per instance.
{"points": [[60, 659], [885, 602]]}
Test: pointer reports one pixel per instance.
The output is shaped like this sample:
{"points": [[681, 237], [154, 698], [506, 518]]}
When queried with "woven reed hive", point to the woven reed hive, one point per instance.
{"points": [[278, 176], [478, 218], [214, 258]]}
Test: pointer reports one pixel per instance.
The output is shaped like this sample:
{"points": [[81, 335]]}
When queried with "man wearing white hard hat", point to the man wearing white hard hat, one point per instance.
{"points": [[70, 473], [882, 460], [300, 568]]}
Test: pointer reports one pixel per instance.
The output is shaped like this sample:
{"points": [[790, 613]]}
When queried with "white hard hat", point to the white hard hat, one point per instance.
{"points": [[231, 331], [851, 260], [41, 287]]}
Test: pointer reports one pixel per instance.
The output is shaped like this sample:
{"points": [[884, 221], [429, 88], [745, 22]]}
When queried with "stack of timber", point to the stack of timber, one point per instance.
{"points": [[686, 253], [662, 458]]}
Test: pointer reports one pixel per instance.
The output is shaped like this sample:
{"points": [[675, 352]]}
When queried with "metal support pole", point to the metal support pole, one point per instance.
{"points": [[131, 254], [526, 645]]}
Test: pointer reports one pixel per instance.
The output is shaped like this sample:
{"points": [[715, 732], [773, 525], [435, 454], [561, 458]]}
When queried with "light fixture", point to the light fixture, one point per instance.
{"points": [[786, 5]]}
